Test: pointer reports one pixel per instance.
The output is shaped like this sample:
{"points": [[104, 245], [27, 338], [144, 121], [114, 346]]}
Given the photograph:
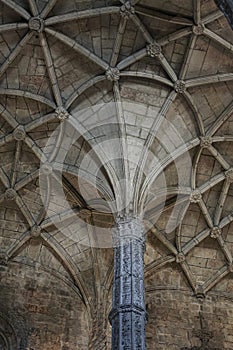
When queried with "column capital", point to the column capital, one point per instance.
{"points": [[126, 309], [128, 228]]}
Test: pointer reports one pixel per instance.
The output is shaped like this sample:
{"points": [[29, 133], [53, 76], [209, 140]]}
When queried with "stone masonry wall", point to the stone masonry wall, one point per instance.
{"points": [[174, 315], [45, 313]]}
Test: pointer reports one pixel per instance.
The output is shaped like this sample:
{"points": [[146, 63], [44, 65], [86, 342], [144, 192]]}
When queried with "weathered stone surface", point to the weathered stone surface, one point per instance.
{"points": [[108, 106], [43, 311]]}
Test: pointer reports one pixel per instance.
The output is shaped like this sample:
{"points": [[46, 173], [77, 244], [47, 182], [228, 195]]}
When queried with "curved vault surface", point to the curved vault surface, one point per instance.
{"points": [[108, 106]]}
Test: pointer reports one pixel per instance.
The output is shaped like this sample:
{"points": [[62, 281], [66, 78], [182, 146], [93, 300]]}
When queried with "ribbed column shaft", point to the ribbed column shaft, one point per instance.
{"points": [[128, 315]]}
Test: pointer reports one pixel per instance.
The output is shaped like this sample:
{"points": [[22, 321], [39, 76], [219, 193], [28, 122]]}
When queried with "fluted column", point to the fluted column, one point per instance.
{"points": [[128, 315]]}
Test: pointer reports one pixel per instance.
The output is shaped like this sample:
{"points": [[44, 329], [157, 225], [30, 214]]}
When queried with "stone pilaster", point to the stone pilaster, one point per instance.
{"points": [[128, 315]]}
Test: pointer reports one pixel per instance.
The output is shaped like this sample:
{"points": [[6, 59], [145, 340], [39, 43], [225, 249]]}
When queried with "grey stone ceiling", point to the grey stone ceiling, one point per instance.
{"points": [[108, 106]]}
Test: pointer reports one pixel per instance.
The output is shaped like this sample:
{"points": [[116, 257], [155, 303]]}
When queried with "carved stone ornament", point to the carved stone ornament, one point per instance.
{"points": [[3, 259], [10, 194], [46, 169], [112, 74], [35, 231], [36, 24], [154, 50], [127, 10], [62, 113], [199, 29], [206, 141], [128, 315], [19, 133], [179, 86], [204, 335], [200, 293], [215, 232], [180, 257], [229, 175], [195, 196]]}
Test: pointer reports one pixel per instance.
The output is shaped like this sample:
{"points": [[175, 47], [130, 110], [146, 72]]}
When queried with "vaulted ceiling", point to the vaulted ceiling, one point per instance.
{"points": [[109, 107]]}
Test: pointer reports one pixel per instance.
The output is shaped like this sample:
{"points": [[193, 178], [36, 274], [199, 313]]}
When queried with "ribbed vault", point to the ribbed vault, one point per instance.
{"points": [[116, 106]]}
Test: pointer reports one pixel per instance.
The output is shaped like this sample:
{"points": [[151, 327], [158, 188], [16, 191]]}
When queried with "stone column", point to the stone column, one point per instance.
{"points": [[128, 315], [226, 6]]}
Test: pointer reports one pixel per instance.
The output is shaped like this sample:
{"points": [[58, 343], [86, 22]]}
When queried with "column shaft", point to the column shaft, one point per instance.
{"points": [[128, 315]]}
